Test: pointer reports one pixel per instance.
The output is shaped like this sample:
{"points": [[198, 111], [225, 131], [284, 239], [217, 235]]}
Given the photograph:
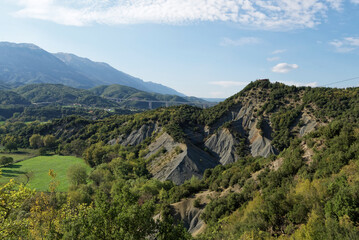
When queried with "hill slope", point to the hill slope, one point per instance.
{"points": [[12, 98], [134, 98], [62, 95]]}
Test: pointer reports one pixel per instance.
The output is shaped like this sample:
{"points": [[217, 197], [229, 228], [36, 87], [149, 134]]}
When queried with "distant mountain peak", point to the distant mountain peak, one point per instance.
{"points": [[20, 45], [20, 65], [101, 71]]}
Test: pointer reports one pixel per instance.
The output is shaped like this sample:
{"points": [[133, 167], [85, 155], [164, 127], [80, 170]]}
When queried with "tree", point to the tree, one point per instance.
{"points": [[11, 146], [36, 141], [118, 216], [12, 198], [49, 142], [77, 174]]}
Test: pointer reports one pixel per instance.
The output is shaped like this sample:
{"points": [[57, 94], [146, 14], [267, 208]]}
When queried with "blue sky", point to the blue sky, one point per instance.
{"points": [[203, 48]]}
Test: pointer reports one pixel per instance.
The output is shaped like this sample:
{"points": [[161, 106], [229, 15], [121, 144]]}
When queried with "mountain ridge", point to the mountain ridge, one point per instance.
{"points": [[22, 63]]}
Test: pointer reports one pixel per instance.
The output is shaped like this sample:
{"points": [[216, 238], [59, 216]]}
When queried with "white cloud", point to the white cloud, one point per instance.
{"points": [[336, 4], [240, 42], [227, 84], [273, 14], [284, 67], [345, 45], [278, 51], [272, 59], [355, 1], [352, 41]]}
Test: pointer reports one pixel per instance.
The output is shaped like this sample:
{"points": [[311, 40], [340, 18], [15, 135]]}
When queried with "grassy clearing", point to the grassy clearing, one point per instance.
{"points": [[38, 168], [21, 154]]}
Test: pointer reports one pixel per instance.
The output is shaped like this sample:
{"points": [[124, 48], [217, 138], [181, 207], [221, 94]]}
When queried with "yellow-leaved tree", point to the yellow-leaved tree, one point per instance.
{"points": [[12, 198]]}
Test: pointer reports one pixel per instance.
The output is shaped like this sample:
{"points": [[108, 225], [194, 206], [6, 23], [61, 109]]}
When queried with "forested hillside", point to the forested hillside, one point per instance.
{"points": [[272, 161], [48, 101], [61, 95], [128, 97]]}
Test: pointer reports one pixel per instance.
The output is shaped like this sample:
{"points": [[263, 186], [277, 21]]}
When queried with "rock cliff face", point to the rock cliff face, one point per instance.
{"points": [[244, 123], [178, 162], [138, 136], [222, 145], [309, 124], [189, 215], [191, 162]]}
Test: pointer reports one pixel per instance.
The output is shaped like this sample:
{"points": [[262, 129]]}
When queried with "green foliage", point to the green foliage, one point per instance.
{"points": [[282, 121], [11, 146], [36, 141], [12, 98], [223, 206], [77, 174], [12, 198], [333, 103], [57, 93], [185, 190], [6, 160]]}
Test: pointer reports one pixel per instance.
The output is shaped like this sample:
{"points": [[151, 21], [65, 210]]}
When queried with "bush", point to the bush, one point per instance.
{"points": [[197, 203], [6, 160]]}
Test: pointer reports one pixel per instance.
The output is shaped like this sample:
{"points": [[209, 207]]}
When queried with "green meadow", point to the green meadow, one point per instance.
{"points": [[36, 170], [20, 154]]}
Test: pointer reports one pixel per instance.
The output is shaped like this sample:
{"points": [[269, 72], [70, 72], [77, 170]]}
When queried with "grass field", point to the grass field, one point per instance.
{"points": [[20, 154], [39, 168]]}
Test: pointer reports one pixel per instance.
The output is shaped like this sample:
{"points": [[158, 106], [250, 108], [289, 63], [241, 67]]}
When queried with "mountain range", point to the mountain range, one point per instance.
{"points": [[22, 64]]}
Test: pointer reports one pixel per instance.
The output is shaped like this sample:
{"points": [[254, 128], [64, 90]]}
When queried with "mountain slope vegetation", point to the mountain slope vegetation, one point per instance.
{"points": [[48, 101], [272, 161], [62, 95]]}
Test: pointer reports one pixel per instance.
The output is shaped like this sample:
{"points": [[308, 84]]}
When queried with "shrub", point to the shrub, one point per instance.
{"points": [[6, 160]]}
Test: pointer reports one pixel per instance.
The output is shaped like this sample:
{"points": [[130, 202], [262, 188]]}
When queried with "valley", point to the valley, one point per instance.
{"points": [[272, 161]]}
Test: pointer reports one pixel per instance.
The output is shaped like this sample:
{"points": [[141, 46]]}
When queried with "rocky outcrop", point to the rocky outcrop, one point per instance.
{"points": [[309, 124], [137, 136], [179, 162], [188, 215], [243, 121], [222, 145], [163, 140], [260, 145]]}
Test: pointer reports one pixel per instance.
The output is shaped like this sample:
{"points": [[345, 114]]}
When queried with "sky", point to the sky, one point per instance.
{"points": [[202, 48]]}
